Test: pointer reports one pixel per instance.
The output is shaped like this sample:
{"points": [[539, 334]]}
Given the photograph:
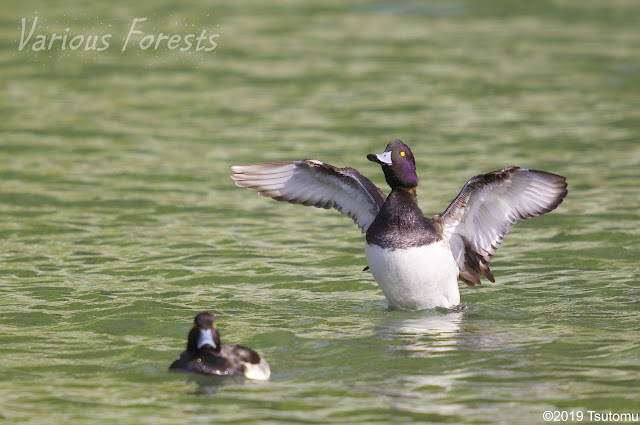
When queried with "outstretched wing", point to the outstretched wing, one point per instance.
{"points": [[486, 209], [314, 183]]}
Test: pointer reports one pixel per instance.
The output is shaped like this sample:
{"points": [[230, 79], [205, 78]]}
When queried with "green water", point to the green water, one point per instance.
{"points": [[118, 222]]}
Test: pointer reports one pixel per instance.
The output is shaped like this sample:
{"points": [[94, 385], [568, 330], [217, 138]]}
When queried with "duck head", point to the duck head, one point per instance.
{"points": [[204, 335], [398, 165]]}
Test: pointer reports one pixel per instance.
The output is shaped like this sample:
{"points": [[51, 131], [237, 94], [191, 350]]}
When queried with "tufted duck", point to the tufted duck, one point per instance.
{"points": [[416, 260], [205, 354]]}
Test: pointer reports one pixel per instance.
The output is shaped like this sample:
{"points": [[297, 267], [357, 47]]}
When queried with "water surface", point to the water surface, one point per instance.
{"points": [[118, 222]]}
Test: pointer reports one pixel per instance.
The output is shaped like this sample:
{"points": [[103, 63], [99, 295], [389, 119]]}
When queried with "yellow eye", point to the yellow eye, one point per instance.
{"points": [[402, 153], [215, 325]]}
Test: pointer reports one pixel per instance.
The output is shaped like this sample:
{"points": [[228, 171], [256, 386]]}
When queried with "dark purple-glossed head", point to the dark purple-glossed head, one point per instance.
{"points": [[398, 165], [204, 335]]}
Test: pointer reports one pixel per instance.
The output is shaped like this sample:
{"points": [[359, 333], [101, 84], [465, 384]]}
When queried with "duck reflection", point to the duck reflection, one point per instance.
{"points": [[424, 333], [209, 385], [433, 337]]}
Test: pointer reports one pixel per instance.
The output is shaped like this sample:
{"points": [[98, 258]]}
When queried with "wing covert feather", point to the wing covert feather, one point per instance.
{"points": [[313, 183], [478, 219]]}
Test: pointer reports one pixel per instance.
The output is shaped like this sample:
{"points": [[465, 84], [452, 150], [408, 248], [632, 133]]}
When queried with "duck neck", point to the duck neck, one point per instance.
{"points": [[403, 197], [401, 207]]}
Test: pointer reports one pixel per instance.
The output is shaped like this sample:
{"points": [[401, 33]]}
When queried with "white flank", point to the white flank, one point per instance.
{"points": [[258, 372], [416, 278]]}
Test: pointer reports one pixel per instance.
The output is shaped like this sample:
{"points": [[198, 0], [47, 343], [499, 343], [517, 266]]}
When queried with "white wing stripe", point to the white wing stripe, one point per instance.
{"points": [[488, 206], [311, 182]]}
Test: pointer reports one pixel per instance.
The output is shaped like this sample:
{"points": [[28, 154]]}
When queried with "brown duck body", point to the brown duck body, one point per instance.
{"points": [[205, 354]]}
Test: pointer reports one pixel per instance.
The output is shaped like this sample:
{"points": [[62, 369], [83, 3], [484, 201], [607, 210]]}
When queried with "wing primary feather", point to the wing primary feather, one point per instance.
{"points": [[311, 182], [486, 209]]}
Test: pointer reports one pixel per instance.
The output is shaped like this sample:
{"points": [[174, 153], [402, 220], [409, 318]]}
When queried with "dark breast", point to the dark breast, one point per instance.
{"points": [[401, 224]]}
